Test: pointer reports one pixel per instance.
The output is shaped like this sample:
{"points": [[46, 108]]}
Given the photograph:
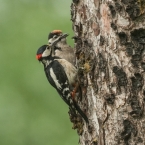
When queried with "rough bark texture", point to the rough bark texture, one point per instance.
{"points": [[109, 43]]}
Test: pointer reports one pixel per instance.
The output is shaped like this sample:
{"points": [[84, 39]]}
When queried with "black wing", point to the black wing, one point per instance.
{"points": [[58, 79]]}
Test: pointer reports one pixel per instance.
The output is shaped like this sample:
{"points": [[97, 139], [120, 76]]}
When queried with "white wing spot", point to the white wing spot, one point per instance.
{"points": [[55, 79]]}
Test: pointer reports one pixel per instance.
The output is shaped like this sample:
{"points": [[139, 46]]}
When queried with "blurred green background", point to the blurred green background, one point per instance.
{"points": [[31, 112]]}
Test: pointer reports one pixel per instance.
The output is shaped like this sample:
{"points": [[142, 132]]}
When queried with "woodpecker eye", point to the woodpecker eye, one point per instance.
{"points": [[55, 36]]}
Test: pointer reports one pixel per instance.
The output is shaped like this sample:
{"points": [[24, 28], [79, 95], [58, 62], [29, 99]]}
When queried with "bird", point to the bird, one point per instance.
{"points": [[63, 49], [61, 75]]}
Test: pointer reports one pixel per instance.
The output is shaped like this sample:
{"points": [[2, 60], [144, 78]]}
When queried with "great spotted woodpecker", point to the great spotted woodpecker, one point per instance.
{"points": [[61, 75], [62, 48]]}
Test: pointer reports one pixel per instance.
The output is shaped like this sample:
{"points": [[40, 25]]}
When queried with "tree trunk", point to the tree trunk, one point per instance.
{"points": [[109, 43]]}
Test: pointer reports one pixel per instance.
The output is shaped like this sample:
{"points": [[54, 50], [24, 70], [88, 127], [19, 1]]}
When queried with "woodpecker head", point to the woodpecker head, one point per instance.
{"points": [[56, 34], [43, 52]]}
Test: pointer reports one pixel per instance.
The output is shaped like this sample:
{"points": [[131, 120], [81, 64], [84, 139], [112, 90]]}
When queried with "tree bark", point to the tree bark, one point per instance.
{"points": [[109, 43]]}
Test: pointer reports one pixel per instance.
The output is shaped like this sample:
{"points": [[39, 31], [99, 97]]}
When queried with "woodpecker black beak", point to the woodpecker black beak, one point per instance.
{"points": [[64, 36]]}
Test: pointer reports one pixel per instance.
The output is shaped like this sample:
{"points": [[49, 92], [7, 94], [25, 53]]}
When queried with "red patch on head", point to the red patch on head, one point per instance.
{"points": [[38, 56], [56, 31]]}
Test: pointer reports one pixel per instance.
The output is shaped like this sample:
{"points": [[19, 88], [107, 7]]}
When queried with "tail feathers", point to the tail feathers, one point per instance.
{"points": [[73, 105], [80, 111]]}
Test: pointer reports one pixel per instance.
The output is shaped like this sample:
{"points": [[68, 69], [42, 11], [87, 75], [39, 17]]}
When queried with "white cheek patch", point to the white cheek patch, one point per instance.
{"points": [[46, 53], [55, 79]]}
